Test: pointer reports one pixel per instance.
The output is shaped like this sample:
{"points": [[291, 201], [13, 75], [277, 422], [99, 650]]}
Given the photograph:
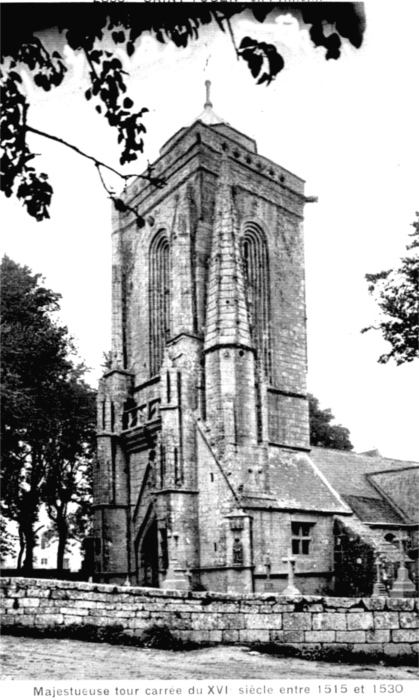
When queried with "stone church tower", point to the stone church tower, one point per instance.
{"points": [[203, 477]]}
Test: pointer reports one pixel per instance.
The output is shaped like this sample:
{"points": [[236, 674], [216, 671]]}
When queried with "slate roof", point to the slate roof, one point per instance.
{"points": [[297, 484], [373, 510], [402, 488], [351, 474]]}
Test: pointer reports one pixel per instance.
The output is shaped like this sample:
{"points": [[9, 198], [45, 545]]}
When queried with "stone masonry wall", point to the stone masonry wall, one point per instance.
{"points": [[374, 626]]}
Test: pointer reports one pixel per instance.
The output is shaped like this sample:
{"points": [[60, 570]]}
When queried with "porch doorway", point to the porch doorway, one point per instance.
{"points": [[149, 558]]}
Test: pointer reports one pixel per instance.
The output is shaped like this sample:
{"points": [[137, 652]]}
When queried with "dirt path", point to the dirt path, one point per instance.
{"points": [[23, 658]]}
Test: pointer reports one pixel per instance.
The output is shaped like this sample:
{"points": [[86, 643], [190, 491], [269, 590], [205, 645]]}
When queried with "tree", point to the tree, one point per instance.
{"points": [[37, 378], [397, 295], [68, 459], [33, 359], [101, 28], [322, 433]]}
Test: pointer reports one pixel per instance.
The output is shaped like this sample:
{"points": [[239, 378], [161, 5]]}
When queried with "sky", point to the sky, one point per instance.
{"points": [[347, 127]]}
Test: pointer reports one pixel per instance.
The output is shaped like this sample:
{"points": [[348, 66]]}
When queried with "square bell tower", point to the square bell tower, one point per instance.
{"points": [[208, 377]]}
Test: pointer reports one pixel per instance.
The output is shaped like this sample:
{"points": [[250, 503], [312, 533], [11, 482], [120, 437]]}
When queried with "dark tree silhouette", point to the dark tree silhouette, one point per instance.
{"points": [[397, 294], [68, 458], [47, 411], [322, 433], [33, 358], [94, 30]]}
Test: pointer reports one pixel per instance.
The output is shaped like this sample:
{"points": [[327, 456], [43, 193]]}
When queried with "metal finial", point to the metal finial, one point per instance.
{"points": [[208, 102]]}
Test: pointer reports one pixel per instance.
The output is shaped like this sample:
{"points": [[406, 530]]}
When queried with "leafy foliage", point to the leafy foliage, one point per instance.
{"points": [[7, 540], [93, 34], [17, 175], [263, 59], [44, 403], [354, 562], [322, 433], [397, 295], [33, 358], [108, 86]]}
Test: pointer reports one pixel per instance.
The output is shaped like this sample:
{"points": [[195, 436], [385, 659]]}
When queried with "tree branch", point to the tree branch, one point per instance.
{"points": [[89, 60], [230, 29], [105, 187], [21, 161], [97, 162], [116, 200]]}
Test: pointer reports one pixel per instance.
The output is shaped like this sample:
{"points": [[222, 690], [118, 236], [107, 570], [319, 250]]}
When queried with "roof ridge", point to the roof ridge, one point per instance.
{"points": [[370, 458]]}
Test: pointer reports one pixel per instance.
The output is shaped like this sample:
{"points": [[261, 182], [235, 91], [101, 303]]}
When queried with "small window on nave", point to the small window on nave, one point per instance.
{"points": [[301, 538]]}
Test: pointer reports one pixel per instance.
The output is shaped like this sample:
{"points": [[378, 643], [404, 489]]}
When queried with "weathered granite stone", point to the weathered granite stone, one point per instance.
{"points": [[297, 621], [407, 635], [409, 619], [350, 637], [386, 620], [320, 636], [361, 621], [329, 621]]}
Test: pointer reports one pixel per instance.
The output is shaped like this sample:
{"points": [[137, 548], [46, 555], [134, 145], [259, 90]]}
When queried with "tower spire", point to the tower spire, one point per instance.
{"points": [[208, 116], [208, 103]]}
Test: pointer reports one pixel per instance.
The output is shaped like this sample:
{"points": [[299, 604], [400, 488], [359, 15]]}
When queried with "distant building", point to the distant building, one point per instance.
{"points": [[205, 477], [45, 552]]}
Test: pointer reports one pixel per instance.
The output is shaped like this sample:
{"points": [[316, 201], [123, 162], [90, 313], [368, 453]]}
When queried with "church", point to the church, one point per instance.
{"points": [[205, 479]]}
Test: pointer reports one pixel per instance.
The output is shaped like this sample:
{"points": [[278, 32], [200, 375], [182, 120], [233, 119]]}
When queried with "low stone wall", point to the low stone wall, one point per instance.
{"points": [[376, 626]]}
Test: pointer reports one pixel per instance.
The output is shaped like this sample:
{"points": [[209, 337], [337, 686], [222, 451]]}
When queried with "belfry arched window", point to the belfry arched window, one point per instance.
{"points": [[256, 269], [159, 298]]}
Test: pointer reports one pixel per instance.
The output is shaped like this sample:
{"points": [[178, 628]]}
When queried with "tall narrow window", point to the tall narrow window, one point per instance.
{"points": [[159, 297], [256, 269], [162, 465]]}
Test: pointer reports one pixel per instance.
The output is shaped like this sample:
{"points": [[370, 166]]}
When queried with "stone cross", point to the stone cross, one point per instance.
{"points": [[268, 568], [176, 578], [291, 588], [173, 550], [402, 541], [403, 586]]}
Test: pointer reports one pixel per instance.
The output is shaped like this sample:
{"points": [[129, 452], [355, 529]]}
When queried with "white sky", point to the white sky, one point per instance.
{"points": [[348, 127]]}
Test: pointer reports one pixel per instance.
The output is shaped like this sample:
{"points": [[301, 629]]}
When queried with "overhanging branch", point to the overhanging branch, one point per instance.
{"points": [[97, 162], [155, 181]]}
